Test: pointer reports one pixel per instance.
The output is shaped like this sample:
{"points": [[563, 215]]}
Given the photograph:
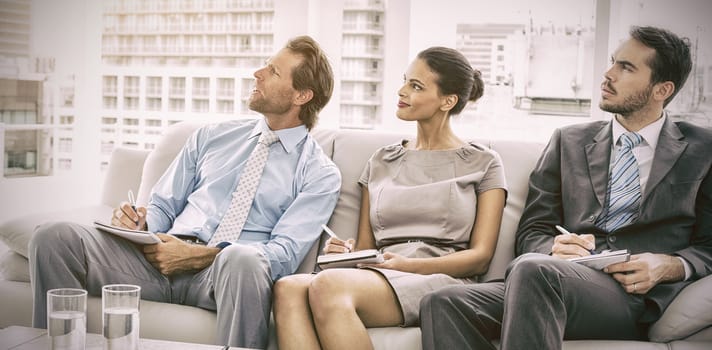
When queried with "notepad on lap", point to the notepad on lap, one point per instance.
{"points": [[601, 260], [136, 236], [367, 256]]}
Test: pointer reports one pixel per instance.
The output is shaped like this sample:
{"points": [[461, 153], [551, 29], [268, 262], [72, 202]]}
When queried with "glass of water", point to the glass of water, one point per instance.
{"points": [[120, 312], [66, 318]]}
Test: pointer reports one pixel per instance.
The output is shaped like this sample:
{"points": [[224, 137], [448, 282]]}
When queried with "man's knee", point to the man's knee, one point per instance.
{"points": [[239, 260], [532, 265], [442, 299], [52, 236]]}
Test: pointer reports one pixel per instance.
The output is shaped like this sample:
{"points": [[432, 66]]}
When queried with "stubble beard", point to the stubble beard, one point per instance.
{"points": [[630, 104], [278, 105]]}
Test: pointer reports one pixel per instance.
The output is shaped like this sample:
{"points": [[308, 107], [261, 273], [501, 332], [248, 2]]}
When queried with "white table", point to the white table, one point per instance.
{"points": [[25, 338]]}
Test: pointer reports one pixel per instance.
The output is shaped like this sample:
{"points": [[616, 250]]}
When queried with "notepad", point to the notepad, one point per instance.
{"points": [[601, 260], [367, 256], [136, 236]]}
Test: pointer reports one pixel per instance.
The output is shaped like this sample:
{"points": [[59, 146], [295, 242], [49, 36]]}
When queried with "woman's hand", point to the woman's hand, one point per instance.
{"points": [[334, 245], [392, 261]]}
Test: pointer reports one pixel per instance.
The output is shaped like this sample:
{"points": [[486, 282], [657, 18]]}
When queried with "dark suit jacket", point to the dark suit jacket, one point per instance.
{"points": [[568, 185]]}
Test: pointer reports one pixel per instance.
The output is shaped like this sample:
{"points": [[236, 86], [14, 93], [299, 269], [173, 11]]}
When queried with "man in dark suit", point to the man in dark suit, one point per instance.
{"points": [[639, 182]]}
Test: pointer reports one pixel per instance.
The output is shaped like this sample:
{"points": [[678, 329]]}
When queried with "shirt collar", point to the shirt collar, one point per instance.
{"points": [[288, 138], [650, 133]]}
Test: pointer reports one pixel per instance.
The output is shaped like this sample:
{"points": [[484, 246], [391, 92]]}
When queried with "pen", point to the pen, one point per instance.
{"points": [[132, 202], [330, 232], [566, 232]]}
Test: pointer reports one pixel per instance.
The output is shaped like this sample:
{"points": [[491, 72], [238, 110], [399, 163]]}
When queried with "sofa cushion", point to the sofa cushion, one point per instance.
{"points": [[14, 267], [688, 313], [118, 181], [161, 157], [518, 159], [352, 149], [16, 233]]}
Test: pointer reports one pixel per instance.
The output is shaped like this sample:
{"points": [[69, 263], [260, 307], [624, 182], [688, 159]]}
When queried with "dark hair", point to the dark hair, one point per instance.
{"points": [[671, 62], [455, 75], [314, 73]]}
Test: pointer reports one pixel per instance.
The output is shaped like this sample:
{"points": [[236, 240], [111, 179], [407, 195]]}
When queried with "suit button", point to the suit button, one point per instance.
{"points": [[592, 218], [612, 239]]}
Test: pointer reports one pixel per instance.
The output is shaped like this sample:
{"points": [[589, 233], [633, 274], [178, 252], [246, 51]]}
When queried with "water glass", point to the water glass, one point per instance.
{"points": [[120, 314], [66, 318]]}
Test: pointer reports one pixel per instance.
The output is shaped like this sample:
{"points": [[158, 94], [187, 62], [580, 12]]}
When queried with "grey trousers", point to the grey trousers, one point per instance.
{"points": [[237, 285], [543, 301]]}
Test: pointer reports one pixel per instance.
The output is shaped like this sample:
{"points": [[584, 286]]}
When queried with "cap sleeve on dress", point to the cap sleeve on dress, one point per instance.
{"points": [[384, 154], [476, 158]]}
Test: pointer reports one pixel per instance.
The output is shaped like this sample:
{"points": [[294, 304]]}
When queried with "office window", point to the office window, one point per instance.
{"points": [[226, 87], [131, 86], [225, 106], [154, 86], [176, 105], [109, 85], [67, 95], [201, 87], [109, 102], [200, 105], [65, 144], [64, 164], [177, 87], [107, 147], [27, 152], [153, 104], [66, 119]]}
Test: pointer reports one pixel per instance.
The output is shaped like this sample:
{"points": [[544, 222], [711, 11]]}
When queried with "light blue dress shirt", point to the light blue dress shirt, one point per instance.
{"points": [[296, 194]]}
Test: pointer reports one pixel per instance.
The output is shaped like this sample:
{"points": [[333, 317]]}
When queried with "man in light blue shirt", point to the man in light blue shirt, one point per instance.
{"points": [[296, 194]]}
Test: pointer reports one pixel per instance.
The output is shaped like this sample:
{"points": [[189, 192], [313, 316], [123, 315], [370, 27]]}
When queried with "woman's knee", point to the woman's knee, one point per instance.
{"points": [[329, 291], [328, 283], [290, 290]]}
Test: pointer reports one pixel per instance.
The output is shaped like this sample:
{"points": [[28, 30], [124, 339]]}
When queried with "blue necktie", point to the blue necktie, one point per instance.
{"points": [[623, 186]]}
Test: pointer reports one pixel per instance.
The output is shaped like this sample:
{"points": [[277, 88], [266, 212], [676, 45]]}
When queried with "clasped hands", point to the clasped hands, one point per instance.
{"points": [[637, 276], [171, 256]]}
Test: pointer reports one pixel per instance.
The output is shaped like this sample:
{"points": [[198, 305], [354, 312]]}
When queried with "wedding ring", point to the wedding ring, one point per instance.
{"points": [[634, 287]]}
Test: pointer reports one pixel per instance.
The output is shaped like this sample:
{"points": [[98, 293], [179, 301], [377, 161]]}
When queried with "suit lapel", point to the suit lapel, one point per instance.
{"points": [[598, 155], [670, 147]]}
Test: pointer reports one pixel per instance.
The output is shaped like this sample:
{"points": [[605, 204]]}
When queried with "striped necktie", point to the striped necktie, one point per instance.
{"points": [[234, 220], [623, 186]]}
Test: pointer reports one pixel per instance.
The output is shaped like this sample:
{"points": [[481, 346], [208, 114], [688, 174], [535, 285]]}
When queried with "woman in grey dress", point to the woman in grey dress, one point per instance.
{"points": [[432, 205]]}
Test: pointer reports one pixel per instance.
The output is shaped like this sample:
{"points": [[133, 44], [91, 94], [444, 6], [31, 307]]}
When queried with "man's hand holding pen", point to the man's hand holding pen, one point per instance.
{"points": [[569, 245], [129, 216]]}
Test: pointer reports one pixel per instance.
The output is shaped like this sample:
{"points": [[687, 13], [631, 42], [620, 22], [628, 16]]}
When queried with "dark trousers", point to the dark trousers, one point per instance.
{"points": [[543, 301]]}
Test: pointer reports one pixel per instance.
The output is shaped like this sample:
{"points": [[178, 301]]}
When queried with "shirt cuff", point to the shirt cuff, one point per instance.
{"points": [[222, 245], [686, 266]]}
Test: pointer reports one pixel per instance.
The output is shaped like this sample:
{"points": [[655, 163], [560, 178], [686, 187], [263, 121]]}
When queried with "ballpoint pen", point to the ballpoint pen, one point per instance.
{"points": [[566, 232], [330, 232], [132, 202]]}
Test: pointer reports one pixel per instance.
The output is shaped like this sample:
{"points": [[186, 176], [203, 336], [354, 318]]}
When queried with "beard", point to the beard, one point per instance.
{"points": [[280, 104], [630, 104]]}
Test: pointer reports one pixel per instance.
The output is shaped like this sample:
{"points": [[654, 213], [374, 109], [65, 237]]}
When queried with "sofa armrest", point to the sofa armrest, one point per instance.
{"points": [[688, 313], [123, 174]]}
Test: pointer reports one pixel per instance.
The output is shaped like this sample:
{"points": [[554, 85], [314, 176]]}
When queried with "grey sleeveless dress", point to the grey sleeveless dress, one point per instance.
{"points": [[423, 204]]}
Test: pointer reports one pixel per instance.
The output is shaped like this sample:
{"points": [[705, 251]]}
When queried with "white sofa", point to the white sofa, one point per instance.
{"points": [[687, 324]]}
